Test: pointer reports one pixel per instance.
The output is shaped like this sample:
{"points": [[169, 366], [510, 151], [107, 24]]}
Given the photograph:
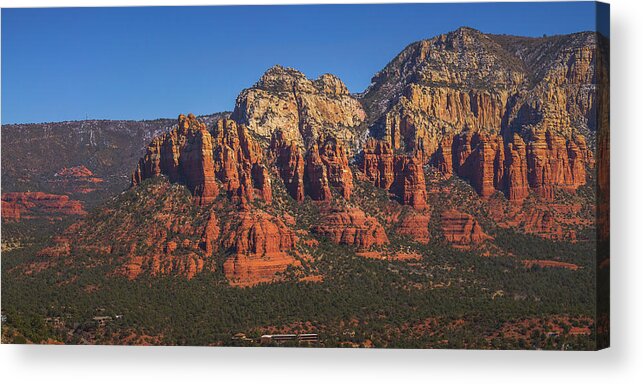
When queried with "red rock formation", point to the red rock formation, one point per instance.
{"points": [[28, 205], [402, 175], [416, 226], [351, 226], [78, 179], [238, 163], [79, 171], [184, 155], [190, 154], [210, 235], [290, 163], [554, 162], [480, 159], [259, 244], [167, 262], [378, 163], [517, 187], [543, 224], [443, 158], [409, 183], [549, 220], [316, 176], [547, 162], [334, 157], [325, 165], [462, 229]]}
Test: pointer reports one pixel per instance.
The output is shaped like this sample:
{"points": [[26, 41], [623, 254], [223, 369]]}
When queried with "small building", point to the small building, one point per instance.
{"points": [[308, 337], [280, 338]]}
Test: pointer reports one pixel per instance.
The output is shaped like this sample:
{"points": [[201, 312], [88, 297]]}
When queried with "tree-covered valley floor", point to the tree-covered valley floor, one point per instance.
{"points": [[449, 298]]}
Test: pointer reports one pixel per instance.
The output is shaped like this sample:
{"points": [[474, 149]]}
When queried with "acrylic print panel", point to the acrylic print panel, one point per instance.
{"points": [[328, 182]]}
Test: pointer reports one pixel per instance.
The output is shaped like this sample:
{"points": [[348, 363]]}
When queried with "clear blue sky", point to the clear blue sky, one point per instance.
{"points": [[148, 62]]}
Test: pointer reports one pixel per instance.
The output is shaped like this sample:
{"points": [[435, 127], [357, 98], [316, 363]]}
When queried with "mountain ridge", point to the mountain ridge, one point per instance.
{"points": [[312, 143]]}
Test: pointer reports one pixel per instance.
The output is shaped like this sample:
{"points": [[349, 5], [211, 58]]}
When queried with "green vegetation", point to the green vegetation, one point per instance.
{"points": [[383, 299], [450, 298]]}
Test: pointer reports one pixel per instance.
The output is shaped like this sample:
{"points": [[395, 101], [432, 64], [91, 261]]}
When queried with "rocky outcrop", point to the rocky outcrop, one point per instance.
{"points": [[75, 172], [378, 163], [415, 225], [335, 159], [351, 226], [185, 155], [547, 162], [259, 246], [402, 175], [18, 206], [545, 219], [409, 184], [506, 113], [290, 164], [305, 110], [423, 114], [210, 235], [325, 166], [516, 170], [238, 163], [461, 229], [162, 233], [190, 154], [481, 107], [543, 224], [77, 179], [315, 176], [554, 162], [442, 85]]}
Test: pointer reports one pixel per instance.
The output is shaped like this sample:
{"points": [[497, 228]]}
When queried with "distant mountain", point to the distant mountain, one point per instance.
{"points": [[451, 204], [39, 157], [506, 114]]}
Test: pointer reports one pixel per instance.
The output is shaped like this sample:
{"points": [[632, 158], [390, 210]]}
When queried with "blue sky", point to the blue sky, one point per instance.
{"points": [[149, 62]]}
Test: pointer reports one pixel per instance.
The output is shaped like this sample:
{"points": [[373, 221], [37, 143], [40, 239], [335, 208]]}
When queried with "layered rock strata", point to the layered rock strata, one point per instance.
{"points": [[462, 229], [18, 206], [547, 162], [401, 174], [351, 226], [190, 154], [259, 246]]}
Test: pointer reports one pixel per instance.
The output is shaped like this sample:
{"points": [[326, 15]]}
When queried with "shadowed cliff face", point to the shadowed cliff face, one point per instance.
{"points": [[295, 165]]}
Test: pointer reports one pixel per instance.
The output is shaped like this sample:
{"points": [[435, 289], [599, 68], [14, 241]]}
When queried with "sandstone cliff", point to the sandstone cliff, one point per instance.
{"points": [[401, 174], [547, 162], [305, 110], [351, 226], [159, 231], [259, 245], [192, 155], [17, 206], [506, 113], [462, 229], [300, 161]]}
